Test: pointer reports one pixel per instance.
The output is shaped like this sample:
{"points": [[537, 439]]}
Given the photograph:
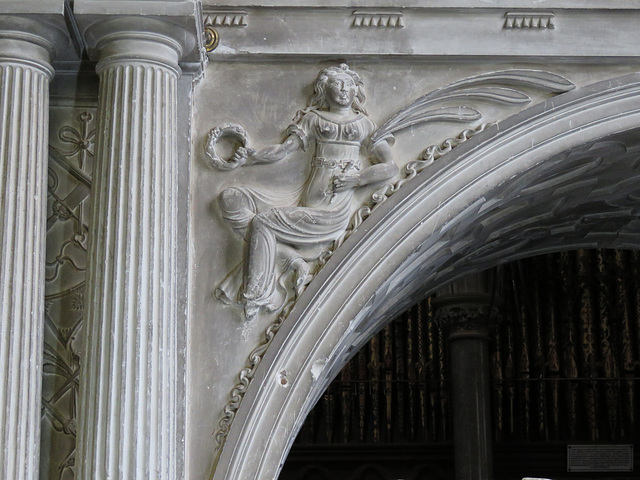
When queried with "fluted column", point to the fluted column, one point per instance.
{"points": [[468, 309], [128, 382], [25, 72]]}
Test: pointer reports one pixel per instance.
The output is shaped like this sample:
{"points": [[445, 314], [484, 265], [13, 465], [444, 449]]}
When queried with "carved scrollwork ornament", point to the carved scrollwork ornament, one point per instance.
{"points": [[234, 131]]}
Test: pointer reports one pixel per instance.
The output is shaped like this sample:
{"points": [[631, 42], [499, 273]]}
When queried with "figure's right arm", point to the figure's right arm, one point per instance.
{"points": [[271, 154]]}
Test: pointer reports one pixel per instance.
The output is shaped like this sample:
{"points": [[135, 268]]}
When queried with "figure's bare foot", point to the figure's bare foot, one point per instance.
{"points": [[251, 311], [301, 276]]}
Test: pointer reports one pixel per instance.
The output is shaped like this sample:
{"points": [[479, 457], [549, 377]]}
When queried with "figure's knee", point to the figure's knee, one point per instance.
{"points": [[233, 200], [237, 208], [261, 225]]}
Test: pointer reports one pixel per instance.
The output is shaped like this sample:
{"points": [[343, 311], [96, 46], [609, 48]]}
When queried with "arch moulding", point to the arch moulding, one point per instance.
{"points": [[562, 174]]}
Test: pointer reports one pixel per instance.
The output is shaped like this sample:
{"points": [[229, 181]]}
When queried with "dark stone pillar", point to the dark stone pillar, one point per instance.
{"points": [[468, 309]]}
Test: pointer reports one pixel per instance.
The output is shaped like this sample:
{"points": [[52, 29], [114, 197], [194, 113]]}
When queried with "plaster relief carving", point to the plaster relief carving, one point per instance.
{"points": [[494, 87], [446, 104], [287, 236], [70, 166]]}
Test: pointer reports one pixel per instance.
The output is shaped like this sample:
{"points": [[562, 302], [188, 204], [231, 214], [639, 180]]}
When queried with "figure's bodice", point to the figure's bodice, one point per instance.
{"points": [[352, 131], [320, 127], [337, 151]]}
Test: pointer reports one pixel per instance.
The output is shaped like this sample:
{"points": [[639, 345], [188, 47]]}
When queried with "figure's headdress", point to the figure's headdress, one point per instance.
{"points": [[318, 100]]}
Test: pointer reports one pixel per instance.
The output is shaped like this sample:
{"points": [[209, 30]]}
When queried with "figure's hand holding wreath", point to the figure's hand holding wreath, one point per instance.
{"points": [[239, 157]]}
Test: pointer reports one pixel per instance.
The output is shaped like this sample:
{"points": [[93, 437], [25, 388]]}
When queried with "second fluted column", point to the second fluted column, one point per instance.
{"points": [[129, 394]]}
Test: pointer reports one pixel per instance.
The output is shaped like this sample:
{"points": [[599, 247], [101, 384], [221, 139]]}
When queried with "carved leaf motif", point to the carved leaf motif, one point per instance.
{"points": [[506, 95], [450, 114], [539, 79], [489, 86]]}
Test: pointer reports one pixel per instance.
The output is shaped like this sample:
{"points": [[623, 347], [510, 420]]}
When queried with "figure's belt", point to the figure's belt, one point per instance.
{"points": [[332, 163]]}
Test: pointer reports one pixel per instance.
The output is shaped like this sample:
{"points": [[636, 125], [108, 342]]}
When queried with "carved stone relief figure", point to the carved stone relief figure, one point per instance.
{"points": [[285, 236], [288, 236], [278, 233]]}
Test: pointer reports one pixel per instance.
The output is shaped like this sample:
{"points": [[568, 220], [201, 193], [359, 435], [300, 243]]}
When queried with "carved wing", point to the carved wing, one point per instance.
{"points": [[446, 103]]}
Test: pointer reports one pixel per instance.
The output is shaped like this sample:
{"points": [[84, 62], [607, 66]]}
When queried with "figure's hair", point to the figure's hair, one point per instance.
{"points": [[319, 101]]}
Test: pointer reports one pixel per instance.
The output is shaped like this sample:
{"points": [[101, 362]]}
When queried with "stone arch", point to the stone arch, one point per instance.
{"points": [[562, 174]]}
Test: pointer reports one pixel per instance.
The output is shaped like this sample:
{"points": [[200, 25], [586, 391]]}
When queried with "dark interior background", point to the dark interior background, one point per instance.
{"points": [[565, 369]]}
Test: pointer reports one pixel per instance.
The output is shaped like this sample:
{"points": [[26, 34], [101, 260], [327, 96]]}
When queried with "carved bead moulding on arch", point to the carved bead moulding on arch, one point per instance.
{"points": [[290, 235]]}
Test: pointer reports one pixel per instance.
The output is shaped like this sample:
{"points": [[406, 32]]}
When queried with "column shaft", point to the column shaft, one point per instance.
{"points": [[128, 384], [471, 406], [24, 126], [468, 308]]}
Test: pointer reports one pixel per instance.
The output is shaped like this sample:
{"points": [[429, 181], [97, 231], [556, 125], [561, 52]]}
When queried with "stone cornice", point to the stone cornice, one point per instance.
{"points": [[33, 7], [177, 23], [433, 5], [468, 30], [162, 8], [43, 23]]}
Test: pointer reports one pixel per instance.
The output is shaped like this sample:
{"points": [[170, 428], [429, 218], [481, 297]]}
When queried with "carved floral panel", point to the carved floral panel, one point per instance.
{"points": [[72, 135]]}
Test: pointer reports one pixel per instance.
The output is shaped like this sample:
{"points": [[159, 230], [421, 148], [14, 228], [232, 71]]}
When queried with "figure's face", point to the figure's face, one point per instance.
{"points": [[341, 90]]}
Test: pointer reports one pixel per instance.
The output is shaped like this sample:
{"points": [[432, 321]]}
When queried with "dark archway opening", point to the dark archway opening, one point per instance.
{"points": [[565, 369]]}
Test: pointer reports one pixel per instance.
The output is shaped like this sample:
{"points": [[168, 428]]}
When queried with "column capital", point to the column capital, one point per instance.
{"points": [[37, 32], [467, 320], [469, 307], [170, 33]]}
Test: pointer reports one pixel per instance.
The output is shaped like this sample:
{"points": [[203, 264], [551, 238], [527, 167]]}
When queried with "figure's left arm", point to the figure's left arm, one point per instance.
{"points": [[383, 168]]}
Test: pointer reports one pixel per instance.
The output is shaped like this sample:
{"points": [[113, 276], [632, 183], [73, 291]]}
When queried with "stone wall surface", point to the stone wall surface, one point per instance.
{"points": [[263, 98], [263, 61]]}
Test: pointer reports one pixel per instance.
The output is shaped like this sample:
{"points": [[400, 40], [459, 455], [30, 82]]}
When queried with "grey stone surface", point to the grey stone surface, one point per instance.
{"points": [[288, 233], [437, 4], [561, 174], [518, 188], [440, 32], [71, 150], [27, 46], [131, 368], [179, 20]]}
